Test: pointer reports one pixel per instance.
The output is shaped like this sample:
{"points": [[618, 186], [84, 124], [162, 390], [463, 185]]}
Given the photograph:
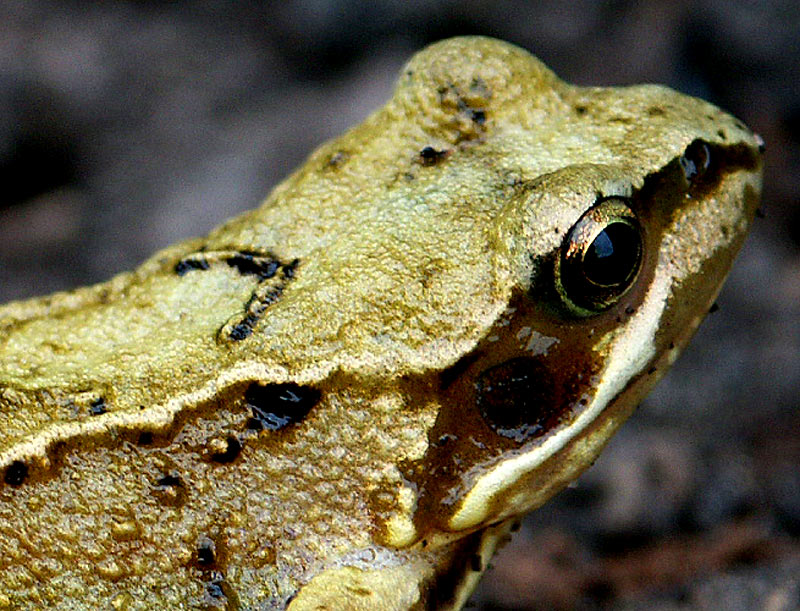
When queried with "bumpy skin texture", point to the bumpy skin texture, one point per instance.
{"points": [[363, 301]]}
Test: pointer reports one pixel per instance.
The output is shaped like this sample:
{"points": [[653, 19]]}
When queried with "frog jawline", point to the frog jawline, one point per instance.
{"points": [[630, 355]]}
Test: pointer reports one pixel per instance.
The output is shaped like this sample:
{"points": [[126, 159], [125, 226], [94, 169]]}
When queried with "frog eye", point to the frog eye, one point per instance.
{"points": [[600, 257]]}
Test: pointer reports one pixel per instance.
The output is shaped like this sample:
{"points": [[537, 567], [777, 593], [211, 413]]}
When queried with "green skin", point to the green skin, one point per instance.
{"points": [[347, 396]]}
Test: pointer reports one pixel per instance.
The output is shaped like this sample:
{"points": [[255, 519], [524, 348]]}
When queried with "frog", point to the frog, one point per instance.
{"points": [[348, 397]]}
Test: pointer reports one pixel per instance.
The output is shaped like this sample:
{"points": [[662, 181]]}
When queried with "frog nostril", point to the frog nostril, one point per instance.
{"points": [[696, 160]]}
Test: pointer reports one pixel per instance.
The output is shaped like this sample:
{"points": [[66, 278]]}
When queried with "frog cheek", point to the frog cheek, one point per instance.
{"points": [[522, 399]]}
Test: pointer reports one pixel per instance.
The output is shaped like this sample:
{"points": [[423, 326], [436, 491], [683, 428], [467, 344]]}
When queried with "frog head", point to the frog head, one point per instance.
{"points": [[588, 232]]}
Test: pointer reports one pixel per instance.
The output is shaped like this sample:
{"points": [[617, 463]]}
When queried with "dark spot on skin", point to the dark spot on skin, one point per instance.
{"points": [[480, 87], [516, 526], [232, 450], [651, 371], [214, 590], [656, 111], [263, 297], [206, 551], [219, 594], [479, 116], [475, 563], [263, 266], [430, 156], [16, 473], [98, 406], [630, 310], [169, 481], [337, 159], [581, 110], [714, 307], [446, 438], [170, 491], [244, 328], [518, 399], [184, 266], [760, 213], [145, 439], [290, 268], [248, 264], [269, 297], [276, 406], [672, 345], [721, 134]]}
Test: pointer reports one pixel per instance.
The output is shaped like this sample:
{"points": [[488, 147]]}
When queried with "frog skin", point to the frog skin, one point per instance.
{"points": [[346, 398]]}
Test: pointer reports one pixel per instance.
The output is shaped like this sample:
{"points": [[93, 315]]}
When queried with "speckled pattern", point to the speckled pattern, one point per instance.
{"points": [[126, 126]]}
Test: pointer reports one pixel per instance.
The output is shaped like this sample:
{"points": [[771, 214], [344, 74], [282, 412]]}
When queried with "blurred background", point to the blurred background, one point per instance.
{"points": [[125, 126]]}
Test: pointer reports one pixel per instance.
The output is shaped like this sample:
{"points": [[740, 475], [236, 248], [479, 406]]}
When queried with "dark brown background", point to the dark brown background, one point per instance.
{"points": [[127, 125]]}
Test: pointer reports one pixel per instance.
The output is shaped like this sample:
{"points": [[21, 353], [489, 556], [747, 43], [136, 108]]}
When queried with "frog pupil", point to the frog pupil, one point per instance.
{"points": [[612, 256]]}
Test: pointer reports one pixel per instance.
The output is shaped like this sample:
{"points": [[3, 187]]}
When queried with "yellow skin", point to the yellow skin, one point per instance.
{"points": [[346, 396]]}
